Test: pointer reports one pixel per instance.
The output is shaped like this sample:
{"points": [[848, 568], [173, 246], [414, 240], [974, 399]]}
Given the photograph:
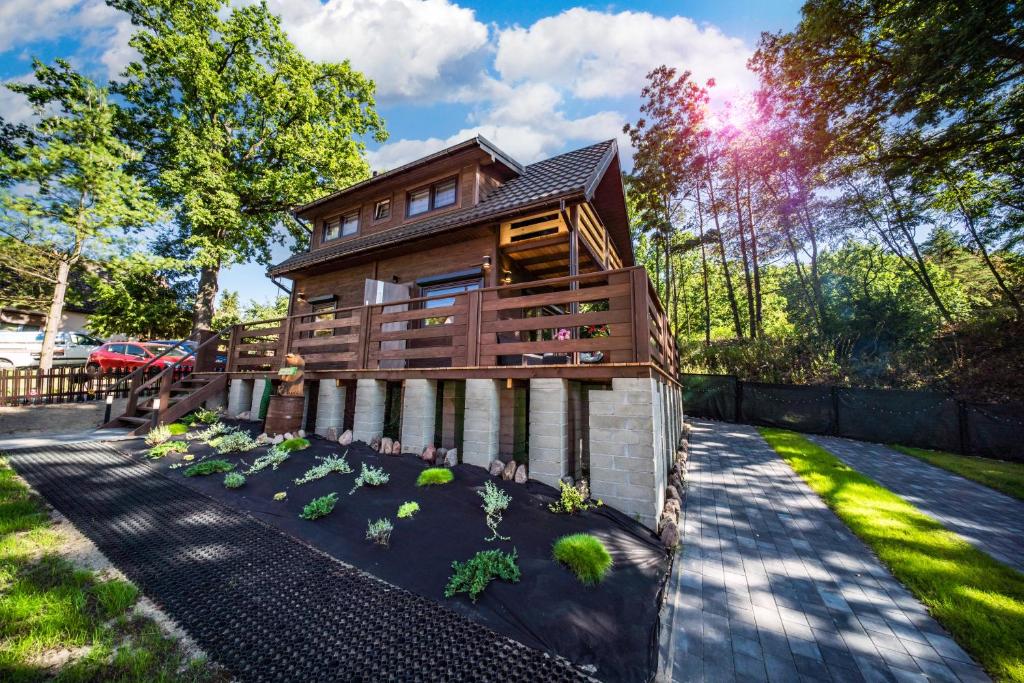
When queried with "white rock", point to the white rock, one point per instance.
{"points": [[346, 437], [301, 434], [451, 458], [278, 439]]}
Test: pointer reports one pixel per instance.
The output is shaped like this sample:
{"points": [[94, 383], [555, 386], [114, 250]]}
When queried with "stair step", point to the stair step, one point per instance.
{"points": [[134, 420]]}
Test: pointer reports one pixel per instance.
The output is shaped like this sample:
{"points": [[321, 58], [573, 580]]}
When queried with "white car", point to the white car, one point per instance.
{"points": [[22, 349]]}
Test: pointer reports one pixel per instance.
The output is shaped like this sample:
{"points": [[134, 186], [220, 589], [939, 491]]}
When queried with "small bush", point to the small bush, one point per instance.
{"points": [[434, 476], [473, 575], [157, 435], [570, 501], [213, 431], [370, 476], [160, 450], [177, 428], [207, 417], [280, 495], [495, 502], [379, 532], [201, 469], [319, 507], [296, 444], [327, 465], [585, 555], [234, 480], [274, 457], [406, 510], [234, 442]]}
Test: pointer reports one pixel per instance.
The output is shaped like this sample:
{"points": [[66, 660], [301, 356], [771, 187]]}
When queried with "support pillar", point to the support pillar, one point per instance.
{"points": [[369, 417], [239, 396], [419, 405], [330, 407], [480, 436], [258, 387], [217, 401], [549, 430]]}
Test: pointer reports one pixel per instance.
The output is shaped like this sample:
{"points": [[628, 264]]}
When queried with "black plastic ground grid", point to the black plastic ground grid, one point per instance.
{"points": [[261, 603]]}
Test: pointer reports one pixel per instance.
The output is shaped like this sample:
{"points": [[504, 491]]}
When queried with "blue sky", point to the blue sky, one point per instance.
{"points": [[537, 78]]}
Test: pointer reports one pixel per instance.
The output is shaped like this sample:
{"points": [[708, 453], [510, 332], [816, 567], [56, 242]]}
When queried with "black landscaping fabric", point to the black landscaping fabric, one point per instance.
{"points": [[610, 629]]}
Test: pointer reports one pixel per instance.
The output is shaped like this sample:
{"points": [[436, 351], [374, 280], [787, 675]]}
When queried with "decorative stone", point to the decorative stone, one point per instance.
{"points": [[671, 493], [346, 437], [676, 481], [263, 438], [301, 434], [510, 471], [277, 439], [451, 458], [396, 448], [670, 535], [385, 445], [428, 454], [497, 467], [244, 415], [441, 452], [521, 475], [672, 508], [332, 434], [288, 435], [568, 480], [375, 443]]}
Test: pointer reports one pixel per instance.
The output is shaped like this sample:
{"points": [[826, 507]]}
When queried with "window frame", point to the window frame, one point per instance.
{"points": [[341, 219], [431, 190], [376, 205]]}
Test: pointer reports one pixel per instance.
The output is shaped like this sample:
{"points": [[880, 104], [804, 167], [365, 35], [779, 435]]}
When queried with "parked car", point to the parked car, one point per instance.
{"points": [[220, 363], [131, 355], [23, 349]]}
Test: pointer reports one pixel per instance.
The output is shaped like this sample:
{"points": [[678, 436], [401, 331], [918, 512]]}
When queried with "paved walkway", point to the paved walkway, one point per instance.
{"points": [[991, 521], [774, 587]]}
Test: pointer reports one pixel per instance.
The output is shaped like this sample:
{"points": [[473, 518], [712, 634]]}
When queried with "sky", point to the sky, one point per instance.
{"points": [[536, 78]]}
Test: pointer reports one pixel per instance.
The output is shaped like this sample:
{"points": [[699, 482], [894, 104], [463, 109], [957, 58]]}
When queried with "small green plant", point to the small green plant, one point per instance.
{"points": [[370, 476], [233, 442], [408, 509], [157, 435], [434, 476], [177, 428], [213, 431], [319, 507], [327, 465], [585, 555], [473, 575], [206, 417], [379, 532], [280, 495], [495, 502], [234, 480], [160, 450], [274, 457], [296, 444], [570, 501], [201, 469]]}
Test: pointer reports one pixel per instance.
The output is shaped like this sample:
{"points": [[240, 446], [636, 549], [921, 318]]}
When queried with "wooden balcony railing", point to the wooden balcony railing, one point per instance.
{"points": [[604, 317]]}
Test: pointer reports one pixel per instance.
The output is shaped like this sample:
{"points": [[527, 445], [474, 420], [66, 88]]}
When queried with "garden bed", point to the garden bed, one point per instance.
{"points": [[611, 628]]}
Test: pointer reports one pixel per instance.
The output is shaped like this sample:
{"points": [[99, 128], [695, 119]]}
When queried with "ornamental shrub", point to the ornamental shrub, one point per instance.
{"points": [[570, 501], [157, 435], [296, 444], [207, 417], [434, 476], [234, 480], [160, 450], [319, 507], [274, 457], [201, 469], [177, 428], [408, 509], [585, 555], [370, 476], [495, 502], [379, 532], [327, 465], [473, 575], [233, 442]]}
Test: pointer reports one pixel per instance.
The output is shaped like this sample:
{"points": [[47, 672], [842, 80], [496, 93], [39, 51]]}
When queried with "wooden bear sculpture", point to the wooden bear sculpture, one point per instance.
{"points": [[291, 374]]}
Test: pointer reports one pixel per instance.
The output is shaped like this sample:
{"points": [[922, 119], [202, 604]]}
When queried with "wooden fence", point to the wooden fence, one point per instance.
{"points": [[29, 386]]}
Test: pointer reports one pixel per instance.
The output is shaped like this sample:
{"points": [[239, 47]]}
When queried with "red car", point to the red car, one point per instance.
{"points": [[130, 355]]}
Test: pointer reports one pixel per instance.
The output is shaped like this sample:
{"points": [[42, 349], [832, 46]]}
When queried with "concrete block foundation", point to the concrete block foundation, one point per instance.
{"points": [[330, 407], [369, 417], [239, 396], [549, 430], [481, 427], [419, 405]]}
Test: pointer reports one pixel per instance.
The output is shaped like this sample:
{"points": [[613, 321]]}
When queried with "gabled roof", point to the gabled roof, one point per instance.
{"points": [[573, 175]]}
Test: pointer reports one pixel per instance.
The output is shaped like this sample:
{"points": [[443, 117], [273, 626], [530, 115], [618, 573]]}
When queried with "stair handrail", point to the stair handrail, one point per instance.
{"points": [[174, 366]]}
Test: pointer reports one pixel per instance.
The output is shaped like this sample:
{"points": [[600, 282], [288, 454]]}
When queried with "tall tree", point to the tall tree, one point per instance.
{"points": [[73, 193], [239, 127], [135, 296]]}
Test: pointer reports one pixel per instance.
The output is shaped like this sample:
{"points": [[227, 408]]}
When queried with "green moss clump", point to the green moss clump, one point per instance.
{"points": [[434, 476], [406, 510], [473, 575], [160, 450], [177, 428], [295, 444], [201, 469], [234, 480], [585, 555]]}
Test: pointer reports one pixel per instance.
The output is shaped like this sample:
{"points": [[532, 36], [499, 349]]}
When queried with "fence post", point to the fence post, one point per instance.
{"points": [[834, 391], [965, 438]]}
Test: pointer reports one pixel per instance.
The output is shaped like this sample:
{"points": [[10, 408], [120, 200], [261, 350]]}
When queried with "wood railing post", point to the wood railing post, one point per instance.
{"points": [[284, 340], [473, 328], [164, 393], [363, 348], [133, 395], [232, 354], [641, 327]]}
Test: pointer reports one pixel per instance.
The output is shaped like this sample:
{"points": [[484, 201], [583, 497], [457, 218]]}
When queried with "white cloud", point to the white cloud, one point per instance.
{"points": [[24, 21], [597, 54], [15, 107], [423, 49]]}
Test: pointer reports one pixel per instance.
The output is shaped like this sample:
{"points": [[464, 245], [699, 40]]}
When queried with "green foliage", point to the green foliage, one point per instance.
{"points": [[319, 507], [370, 476], [157, 435], [408, 509], [585, 555], [167, 447], [979, 600], [177, 428], [206, 467], [495, 502], [234, 480], [570, 501], [295, 444], [236, 441], [473, 575], [213, 431], [273, 458], [207, 417], [327, 465], [379, 532], [135, 296], [434, 476]]}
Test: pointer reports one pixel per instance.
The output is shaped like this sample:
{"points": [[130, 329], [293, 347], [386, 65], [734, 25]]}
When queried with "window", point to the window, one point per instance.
{"points": [[342, 226], [382, 210], [456, 283], [134, 350], [438, 195], [115, 348]]}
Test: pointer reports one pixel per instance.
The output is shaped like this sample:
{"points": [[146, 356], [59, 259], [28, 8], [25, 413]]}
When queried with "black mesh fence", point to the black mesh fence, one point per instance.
{"points": [[913, 418]]}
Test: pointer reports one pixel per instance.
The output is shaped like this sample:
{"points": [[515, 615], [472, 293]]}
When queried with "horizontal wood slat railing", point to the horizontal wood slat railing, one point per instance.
{"points": [[603, 317]]}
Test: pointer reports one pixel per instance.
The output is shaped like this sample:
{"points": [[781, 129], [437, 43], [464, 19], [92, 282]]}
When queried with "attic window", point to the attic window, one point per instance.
{"points": [[382, 210], [440, 194], [342, 226]]}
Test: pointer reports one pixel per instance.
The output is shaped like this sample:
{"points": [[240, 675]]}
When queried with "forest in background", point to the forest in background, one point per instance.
{"points": [[858, 221]]}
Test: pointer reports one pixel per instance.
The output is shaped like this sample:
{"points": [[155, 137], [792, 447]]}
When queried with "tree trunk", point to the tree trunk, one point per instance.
{"points": [[725, 263], [969, 221], [53, 317], [704, 270], [758, 307], [202, 318], [743, 254]]}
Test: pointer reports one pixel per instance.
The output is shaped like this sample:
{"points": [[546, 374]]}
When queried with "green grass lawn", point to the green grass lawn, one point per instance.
{"points": [[49, 607], [1007, 477], [980, 601]]}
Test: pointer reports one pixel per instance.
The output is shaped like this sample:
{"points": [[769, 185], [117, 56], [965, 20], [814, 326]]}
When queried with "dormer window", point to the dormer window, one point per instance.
{"points": [[440, 194], [341, 226], [382, 210]]}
